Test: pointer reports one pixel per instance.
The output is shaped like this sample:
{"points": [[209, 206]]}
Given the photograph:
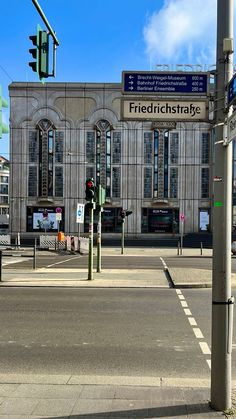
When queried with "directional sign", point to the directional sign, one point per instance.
{"points": [[165, 82], [80, 213], [231, 134], [232, 90]]}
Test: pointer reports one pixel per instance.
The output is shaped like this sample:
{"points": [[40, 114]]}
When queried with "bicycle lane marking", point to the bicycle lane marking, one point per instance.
{"points": [[196, 330]]}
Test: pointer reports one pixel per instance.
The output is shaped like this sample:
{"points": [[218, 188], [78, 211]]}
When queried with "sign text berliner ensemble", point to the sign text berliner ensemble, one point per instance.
{"points": [[186, 110]]}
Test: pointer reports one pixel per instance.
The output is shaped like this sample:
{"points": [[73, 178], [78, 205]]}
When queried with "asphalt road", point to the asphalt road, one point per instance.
{"points": [[104, 332], [142, 261]]}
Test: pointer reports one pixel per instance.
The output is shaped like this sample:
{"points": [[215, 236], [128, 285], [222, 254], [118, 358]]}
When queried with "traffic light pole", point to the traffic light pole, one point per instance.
{"points": [[90, 258], [99, 235], [123, 236], [222, 302]]}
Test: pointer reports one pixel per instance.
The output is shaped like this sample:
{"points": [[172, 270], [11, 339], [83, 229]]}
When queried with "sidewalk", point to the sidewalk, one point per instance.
{"points": [[73, 397]]}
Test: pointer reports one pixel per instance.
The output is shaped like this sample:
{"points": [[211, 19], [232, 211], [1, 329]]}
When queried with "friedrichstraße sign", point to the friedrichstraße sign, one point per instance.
{"points": [[154, 110], [152, 82]]}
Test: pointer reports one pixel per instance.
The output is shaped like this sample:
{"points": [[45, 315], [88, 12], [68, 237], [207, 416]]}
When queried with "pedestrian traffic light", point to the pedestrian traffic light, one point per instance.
{"points": [[3, 104], [127, 213], [40, 52], [90, 189]]}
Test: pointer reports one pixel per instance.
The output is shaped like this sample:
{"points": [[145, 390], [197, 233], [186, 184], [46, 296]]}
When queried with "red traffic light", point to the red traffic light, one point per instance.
{"points": [[90, 184], [90, 190]]}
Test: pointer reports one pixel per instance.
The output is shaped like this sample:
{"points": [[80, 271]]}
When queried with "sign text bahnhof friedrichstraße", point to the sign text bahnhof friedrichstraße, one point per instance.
{"points": [[164, 109]]}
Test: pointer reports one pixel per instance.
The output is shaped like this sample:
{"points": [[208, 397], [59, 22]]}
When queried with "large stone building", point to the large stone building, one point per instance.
{"points": [[63, 133]]}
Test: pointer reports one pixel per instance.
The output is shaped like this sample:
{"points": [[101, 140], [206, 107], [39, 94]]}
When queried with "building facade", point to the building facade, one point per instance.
{"points": [[63, 133], [4, 195]]}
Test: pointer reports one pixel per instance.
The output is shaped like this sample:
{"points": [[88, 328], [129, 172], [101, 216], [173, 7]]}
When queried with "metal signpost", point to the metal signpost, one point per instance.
{"points": [[142, 82], [222, 301]]}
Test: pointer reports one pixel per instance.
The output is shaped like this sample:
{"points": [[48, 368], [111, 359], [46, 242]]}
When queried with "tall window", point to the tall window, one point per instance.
{"points": [[103, 154], [205, 182], [45, 176], [174, 147], [205, 147], [174, 182], [156, 162]]}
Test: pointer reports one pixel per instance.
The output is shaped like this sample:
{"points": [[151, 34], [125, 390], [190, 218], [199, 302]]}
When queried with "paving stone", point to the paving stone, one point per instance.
{"points": [[18, 406], [48, 391], [97, 392], [54, 407]]}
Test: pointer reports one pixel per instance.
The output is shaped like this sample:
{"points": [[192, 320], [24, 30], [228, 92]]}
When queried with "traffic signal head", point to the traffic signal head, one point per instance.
{"points": [[40, 52], [122, 214], [127, 213], [3, 104], [90, 189]]}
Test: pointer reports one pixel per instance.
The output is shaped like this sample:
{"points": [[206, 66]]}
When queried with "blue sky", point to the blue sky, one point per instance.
{"points": [[101, 38]]}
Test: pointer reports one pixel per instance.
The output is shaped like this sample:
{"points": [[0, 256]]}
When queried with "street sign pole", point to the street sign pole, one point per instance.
{"points": [[123, 236], [222, 302], [90, 258], [99, 244]]}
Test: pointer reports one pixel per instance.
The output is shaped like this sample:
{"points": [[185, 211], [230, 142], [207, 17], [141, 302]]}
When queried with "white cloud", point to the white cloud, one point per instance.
{"points": [[182, 31]]}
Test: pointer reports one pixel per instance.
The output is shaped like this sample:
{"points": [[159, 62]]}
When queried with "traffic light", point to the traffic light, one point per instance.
{"points": [[122, 214], [40, 52], [90, 189], [127, 213], [100, 195], [3, 104]]}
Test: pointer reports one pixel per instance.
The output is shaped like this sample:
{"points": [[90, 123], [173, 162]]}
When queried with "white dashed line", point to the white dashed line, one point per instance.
{"points": [[197, 333], [209, 363], [192, 321], [205, 348], [187, 312]]}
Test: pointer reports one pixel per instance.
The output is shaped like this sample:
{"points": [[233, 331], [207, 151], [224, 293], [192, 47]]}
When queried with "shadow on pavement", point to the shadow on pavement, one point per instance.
{"points": [[154, 412]]}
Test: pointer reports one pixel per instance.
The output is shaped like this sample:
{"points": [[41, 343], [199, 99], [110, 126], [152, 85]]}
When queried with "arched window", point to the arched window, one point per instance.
{"points": [[103, 154], [45, 178]]}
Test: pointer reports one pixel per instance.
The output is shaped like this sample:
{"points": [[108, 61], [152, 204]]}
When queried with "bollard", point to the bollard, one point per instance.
{"points": [[0, 265], [34, 258]]}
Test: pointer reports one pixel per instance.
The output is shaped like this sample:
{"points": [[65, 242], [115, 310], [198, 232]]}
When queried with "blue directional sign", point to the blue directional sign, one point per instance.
{"points": [[164, 82], [232, 90]]}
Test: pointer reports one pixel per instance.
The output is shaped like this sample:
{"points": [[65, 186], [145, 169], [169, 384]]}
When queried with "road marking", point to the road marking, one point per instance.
{"points": [[205, 348], [187, 312], [197, 333], [192, 321], [209, 363], [62, 261]]}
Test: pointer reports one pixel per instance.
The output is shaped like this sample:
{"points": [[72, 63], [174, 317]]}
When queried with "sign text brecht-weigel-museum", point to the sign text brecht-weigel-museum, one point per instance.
{"points": [[187, 110]]}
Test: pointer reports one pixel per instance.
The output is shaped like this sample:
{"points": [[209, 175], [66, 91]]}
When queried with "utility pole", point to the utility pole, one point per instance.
{"points": [[222, 302]]}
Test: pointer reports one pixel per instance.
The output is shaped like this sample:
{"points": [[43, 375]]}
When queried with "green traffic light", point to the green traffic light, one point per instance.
{"points": [[40, 53], [3, 104]]}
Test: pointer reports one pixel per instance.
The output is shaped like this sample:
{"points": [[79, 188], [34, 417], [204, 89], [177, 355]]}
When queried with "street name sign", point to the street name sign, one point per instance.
{"points": [[164, 110], [152, 82]]}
